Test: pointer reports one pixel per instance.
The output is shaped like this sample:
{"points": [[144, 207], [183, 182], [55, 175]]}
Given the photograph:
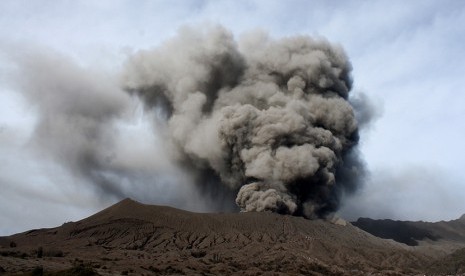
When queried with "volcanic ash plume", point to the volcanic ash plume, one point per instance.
{"points": [[271, 118]]}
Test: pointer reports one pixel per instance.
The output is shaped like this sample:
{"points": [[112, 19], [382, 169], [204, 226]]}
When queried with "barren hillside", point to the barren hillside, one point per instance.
{"points": [[136, 239]]}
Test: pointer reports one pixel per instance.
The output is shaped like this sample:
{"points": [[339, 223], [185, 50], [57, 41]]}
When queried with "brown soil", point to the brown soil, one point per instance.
{"points": [[130, 238]]}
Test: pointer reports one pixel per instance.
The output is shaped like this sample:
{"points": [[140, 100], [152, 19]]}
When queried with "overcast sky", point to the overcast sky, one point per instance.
{"points": [[407, 56]]}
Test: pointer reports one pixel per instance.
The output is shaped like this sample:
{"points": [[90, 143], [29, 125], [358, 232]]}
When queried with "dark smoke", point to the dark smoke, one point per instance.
{"points": [[268, 119], [259, 124], [85, 124]]}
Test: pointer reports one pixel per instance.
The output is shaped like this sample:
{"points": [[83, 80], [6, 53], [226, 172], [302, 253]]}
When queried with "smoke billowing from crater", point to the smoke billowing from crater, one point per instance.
{"points": [[268, 119], [256, 123]]}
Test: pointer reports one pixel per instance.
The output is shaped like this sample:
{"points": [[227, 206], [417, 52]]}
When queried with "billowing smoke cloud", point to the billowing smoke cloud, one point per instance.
{"points": [[76, 109], [268, 119], [89, 126], [260, 124]]}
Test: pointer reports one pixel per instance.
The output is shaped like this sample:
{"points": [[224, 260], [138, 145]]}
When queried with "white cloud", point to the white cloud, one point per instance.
{"points": [[415, 192]]}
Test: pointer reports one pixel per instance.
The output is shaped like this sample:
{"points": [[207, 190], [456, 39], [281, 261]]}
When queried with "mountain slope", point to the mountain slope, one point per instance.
{"points": [[413, 233], [130, 237]]}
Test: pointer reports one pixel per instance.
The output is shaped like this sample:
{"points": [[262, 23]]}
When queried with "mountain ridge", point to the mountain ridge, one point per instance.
{"points": [[151, 239], [412, 232]]}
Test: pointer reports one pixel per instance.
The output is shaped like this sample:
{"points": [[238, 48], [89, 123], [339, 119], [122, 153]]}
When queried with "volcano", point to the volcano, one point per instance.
{"points": [[132, 238]]}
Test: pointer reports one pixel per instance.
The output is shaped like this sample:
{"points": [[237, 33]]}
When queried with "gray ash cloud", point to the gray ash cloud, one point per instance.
{"points": [[267, 118], [257, 124]]}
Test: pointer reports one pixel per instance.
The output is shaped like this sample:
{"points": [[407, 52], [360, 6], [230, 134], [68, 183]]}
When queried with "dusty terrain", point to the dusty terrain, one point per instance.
{"points": [[130, 238], [443, 240]]}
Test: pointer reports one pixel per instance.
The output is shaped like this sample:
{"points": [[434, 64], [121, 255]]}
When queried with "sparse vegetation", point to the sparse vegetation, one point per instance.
{"points": [[38, 271], [40, 252], [198, 254], [154, 269], [216, 258], [320, 269], [14, 254], [79, 270], [53, 253]]}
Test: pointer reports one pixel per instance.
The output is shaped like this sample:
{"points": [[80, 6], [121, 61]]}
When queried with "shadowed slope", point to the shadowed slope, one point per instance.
{"points": [[411, 233]]}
